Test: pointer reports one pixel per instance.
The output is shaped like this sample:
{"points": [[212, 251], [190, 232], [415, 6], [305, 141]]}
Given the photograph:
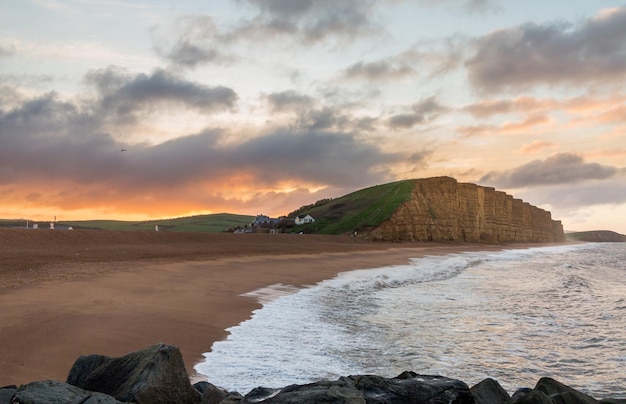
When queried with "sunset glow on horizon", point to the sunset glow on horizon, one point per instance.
{"points": [[146, 110]]}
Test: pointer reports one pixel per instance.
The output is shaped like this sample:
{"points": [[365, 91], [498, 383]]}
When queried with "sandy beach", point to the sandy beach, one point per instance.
{"points": [[69, 293]]}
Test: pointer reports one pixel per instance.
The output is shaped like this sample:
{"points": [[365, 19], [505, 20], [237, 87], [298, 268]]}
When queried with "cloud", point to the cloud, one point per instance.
{"points": [[551, 53], [61, 151], [379, 70], [423, 111], [473, 6], [122, 95], [191, 41], [288, 101], [537, 145], [522, 104], [195, 40], [311, 114], [313, 21], [7, 51], [562, 168]]}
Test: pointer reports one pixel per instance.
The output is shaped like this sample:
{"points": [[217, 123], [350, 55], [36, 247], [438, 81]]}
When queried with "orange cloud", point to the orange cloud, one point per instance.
{"points": [[537, 145]]}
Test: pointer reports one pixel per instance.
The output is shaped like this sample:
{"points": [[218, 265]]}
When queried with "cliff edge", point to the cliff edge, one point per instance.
{"points": [[443, 210]]}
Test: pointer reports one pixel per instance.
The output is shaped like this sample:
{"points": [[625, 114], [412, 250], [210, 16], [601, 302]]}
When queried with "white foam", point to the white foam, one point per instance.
{"points": [[272, 292]]}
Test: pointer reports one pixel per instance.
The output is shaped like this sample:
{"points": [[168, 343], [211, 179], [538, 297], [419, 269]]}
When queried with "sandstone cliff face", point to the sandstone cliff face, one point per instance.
{"points": [[442, 209]]}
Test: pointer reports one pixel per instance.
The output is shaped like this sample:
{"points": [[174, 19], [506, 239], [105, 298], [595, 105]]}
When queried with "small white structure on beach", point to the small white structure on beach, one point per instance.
{"points": [[303, 219]]}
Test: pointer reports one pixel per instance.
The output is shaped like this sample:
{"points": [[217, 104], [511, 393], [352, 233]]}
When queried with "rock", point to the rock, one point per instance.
{"points": [[549, 391], [201, 386], [406, 388], [444, 210], [83, 367], [489, 391], [153, 375], [340, 391], [232, 398], [530, 396], [561, 393], [52, 392], [6, 394], [211, 394]]}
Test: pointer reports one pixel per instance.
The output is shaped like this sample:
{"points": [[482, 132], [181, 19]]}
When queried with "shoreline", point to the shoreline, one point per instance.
{"points": [[61, 311]]}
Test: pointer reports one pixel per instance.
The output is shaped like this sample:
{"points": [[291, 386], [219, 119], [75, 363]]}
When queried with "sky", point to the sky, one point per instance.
{"points": [[134, 110]]}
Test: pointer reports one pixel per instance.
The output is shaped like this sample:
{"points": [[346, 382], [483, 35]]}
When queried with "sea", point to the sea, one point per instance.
{"points": [[515, 316]]}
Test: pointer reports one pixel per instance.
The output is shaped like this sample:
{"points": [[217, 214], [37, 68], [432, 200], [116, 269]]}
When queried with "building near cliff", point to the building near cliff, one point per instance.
{"points": [[444, 210], [304, 219]]}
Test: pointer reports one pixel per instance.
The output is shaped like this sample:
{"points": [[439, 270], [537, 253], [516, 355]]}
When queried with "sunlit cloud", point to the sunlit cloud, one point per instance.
{"points": [[535, 146]]}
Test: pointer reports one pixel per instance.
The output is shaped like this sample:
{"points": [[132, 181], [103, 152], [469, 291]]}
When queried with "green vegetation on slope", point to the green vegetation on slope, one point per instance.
{"points": [[359, 211], [596, 236], [202, 223]]}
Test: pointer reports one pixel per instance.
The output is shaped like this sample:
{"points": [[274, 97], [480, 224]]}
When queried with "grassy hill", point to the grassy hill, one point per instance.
{"points": [[597, 236], [214, 223], [359, 211]]}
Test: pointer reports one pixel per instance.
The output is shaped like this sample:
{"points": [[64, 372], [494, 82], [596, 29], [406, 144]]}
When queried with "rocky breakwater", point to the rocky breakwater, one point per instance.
{"points": [[157, 375], [443, 210]]}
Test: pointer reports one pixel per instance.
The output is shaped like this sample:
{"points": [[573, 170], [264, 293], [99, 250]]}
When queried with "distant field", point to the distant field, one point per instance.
{"points": [[215, 223], [596, 236]]}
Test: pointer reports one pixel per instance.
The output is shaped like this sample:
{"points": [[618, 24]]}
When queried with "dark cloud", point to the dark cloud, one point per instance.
{"points": [[193, 40], [314, 21], [531, 54], [379, 70], [337, 159], [56, 141], [567, 198], [289, 101], [122, 95], [474, 6], [423, 111], [563, 168], [311, 114]]}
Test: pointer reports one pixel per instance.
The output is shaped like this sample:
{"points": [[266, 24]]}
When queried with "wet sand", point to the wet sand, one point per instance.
{"points": [[69, 293]]}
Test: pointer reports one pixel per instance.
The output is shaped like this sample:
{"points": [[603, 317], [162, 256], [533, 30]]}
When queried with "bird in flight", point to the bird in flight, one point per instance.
{"points": [[123, 150]]}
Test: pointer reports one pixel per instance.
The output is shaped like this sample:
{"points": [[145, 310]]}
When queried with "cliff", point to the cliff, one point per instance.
{"points": [[444, 210]]}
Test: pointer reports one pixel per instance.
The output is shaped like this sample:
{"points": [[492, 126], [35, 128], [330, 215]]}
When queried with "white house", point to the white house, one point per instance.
{"points": [[302, 219]]}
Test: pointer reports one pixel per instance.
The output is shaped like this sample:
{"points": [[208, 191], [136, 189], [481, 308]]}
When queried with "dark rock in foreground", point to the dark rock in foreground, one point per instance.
{"points": [[51, 391], [409, 387], [489, 391], [153, 375], [157, 375]]}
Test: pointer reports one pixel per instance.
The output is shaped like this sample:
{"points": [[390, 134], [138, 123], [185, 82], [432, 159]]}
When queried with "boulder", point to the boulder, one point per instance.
{"points": [[409, 387], [52, 392], [154, 375], [211, 394], [562, 393], [83, 367], [529, 396], [6, 394], [549, 391], [489, 391], [339, 391]]}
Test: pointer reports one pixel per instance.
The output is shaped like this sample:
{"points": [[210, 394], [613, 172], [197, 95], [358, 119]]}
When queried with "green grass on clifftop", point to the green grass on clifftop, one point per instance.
{"points": [[596, 236], [214, 223], [359, 211]]}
